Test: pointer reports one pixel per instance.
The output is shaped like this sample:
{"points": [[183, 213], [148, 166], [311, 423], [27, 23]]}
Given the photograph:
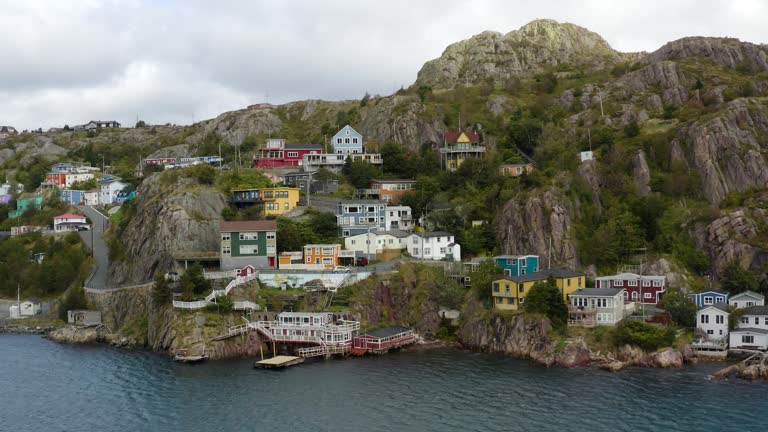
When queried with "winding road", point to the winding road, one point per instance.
{"points": [[100, 223]]}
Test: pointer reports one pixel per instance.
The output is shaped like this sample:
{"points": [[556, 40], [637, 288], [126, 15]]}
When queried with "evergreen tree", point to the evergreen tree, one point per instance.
{"points": [[161, 292], [545, 298], [681, 309], [736, 279], [74, 299]]}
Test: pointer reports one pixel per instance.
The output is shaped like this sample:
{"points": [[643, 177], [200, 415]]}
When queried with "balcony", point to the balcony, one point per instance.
{"points": [[503, 294], [586, 323], [463, 149]]}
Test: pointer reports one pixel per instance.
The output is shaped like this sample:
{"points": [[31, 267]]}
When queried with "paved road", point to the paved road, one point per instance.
{"points": [[100, 251]]}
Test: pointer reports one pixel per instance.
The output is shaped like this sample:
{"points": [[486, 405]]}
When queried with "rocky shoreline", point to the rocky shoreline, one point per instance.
{"points": [[24, 329]]}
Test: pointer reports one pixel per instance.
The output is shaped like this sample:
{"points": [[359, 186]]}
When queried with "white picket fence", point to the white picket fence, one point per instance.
{"points": [[211, 298]]}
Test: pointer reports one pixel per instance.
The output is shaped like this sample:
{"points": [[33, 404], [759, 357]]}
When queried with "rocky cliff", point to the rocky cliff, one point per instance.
{"points": [[173, 215], [533, 48]]}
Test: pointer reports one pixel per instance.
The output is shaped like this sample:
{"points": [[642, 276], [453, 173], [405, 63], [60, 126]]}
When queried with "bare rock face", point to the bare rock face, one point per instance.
{"points": [[734, 237], [174, 215], [731, 53], [727, 150], [525, 226], [676, 277], [399, 119], [588, 172], [532, 48], [519, 336], [668, 358], [641, 173]]}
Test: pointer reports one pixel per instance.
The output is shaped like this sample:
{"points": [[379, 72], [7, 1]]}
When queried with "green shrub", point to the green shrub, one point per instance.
{"points": [[645, 336], [632, 129]]}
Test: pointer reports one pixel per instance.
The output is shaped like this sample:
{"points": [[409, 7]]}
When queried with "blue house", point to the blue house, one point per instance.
{"points": [[709, 297], [124, 196], [518, 265], [73, 197], [360, 216], [347, 141]]}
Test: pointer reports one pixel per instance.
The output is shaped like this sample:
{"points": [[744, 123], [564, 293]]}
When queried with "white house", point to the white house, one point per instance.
{"points": [[752, 329], [69, 222], [398, 218], [586, 156], [109, 189], [588, 307], [712, 320], [376, 242], [347, 141], [746, 299], [91, 198], [30, 307], [438, 245], [98, 124], [72, 178]]}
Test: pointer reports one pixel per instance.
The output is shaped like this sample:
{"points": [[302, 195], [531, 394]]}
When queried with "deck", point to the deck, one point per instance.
{"points": [[278, 362]]}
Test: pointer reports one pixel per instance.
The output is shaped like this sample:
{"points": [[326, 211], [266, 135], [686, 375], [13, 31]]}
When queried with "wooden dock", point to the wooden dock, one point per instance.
{"points": [[280, 361]]}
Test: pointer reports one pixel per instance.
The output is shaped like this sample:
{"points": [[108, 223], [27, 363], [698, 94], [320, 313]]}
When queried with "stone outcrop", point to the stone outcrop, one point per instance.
{"points": [[641, 174], [173, 215], [728, 52], [727, 150], [531, 49], [526, 225], [401, 119]]}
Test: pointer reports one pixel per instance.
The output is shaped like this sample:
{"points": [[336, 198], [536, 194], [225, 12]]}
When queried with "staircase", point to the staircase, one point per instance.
{"points": [[211, 298]]}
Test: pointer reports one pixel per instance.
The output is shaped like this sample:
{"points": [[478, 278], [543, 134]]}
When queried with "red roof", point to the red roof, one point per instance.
{"points": [[241, 226], [70, 216], [452, 136]]}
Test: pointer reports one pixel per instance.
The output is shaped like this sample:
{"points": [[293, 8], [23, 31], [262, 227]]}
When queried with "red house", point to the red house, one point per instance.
{"points": [[638, 288], [277, 154], [58, 179], [382, 340]]}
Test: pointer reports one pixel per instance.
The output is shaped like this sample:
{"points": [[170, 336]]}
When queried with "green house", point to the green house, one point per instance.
{"points": [[248, 243], [24, 204]]}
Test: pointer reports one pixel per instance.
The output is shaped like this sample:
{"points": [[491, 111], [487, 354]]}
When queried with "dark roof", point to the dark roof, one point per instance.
{"points": [[361, 201], [452, 136], [303, 146], [750, 329], [433, 234], [722, 306], [712, 290], [544, 274], [756, 310], [240, 226], [597, 292], [395, 233], [387, 331], [393, 181]]}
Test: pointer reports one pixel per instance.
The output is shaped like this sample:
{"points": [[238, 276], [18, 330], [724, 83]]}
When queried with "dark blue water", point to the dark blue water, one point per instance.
{"points": [[49, 387]]}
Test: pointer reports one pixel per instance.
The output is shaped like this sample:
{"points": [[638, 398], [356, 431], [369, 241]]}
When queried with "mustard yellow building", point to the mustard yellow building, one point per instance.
{"points": [[322, 254], [509, 293], [274, 200]]}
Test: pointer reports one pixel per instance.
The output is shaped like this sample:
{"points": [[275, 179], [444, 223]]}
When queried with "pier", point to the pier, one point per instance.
{"points": [[280, 361]]}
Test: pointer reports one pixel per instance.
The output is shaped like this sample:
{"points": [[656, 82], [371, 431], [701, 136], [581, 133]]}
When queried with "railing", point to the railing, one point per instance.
{"points": [[581, 309], [323, 350], [582, 323], [220, 274], [246, 305], [200, 304]]}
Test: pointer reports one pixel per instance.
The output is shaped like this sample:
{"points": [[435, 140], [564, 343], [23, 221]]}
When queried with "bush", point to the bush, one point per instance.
{"points": [[545, 298], [161, 292], [645, 336], [75, 299], [632, 129], [205, 173], [736, 279]]}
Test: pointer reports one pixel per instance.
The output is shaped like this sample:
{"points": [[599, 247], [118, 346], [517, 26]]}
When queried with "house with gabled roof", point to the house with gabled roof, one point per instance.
{"points": [[459, 146], [712, 320], [751, 331], [709, 297], [746, 299], [436, 245], [248, 243], [510, 292], [347, 141], [588, 307]]}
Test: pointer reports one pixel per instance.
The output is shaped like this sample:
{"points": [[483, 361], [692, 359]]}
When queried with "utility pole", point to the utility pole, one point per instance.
{"points": [[549, 260], [600, 97]]}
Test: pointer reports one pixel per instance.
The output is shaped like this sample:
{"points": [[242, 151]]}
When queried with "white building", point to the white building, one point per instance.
{"points": [[91, 198], [586, 156], [30, 307], [376, 242], [589, 307], [438, 245], [746, 299], [69, 222], [108, 190], [72, 178], [712, 320], [752, 329], [399, 218]]}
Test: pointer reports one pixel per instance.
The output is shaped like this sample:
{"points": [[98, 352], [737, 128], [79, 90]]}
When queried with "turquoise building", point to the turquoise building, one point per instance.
{"points": [[517, 265]]}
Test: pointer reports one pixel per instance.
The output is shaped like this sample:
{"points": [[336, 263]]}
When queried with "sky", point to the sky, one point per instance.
{"points": [[180, 61]]}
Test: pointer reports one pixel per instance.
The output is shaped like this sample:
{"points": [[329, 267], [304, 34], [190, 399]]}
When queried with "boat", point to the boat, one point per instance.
{"points": [[184, 356]]}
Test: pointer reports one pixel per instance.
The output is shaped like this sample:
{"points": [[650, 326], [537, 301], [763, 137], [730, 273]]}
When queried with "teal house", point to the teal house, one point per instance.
{"points": [[24, 204], [517, 265]]}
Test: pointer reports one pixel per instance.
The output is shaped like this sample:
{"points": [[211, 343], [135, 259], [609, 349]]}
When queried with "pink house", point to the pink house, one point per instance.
{"points": [[638, 288]]}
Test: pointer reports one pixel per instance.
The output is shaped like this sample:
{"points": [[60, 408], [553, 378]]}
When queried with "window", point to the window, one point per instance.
{"points": [[338, 140], [249, 249], [495, 287], [352, 241], [707, 300], [271, 236], [293, 154], [427, 251], [415, 240], [354, 140], [657, 283], [345, 233], [704, 319], [634, 295], [626, 295], [757, 321], [719, 300], [226, 250], [346, 140], [521, 288], [499, 300], [569, 282], [442, 250], [226, 236], [286, 206], [309, 260], [646, 283], [710, 332], [618, 283], [249, 236], [745, 320], [507, 272], [632, 283], [748, 339], [719, 319], [523, 262], [648, 295], [416, 251]]}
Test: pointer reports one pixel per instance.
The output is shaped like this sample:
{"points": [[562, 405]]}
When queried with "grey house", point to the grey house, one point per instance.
{"points": [[588, 307], [360, 216]]}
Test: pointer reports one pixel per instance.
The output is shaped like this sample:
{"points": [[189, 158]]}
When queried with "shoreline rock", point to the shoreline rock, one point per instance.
{"points": [[23, 329]]}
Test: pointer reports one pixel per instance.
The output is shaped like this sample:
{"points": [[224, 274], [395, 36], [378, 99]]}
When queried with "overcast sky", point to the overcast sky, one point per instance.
{"points": [[67, 62]]}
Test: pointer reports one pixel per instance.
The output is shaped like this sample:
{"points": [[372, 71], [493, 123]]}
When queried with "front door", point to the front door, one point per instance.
{"points": [[271, 262]]}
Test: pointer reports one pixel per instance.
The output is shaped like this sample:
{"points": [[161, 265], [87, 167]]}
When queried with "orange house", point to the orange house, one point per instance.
{"points": [[515, 170], [391, 190], [326, 255]]}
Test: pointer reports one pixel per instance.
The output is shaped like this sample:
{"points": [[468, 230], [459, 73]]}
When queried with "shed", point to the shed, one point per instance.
{"points": [[84, 317]]}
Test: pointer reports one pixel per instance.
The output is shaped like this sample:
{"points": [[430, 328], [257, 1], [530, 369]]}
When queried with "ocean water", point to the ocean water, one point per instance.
{"points": [[45, 386]]}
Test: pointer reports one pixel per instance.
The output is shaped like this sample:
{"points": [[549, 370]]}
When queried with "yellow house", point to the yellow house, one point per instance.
{"points": [[279, 200], [509, 293], [459, 146]]}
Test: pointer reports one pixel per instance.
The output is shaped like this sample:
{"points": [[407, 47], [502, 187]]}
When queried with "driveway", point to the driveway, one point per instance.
{"points": [[100, 224]]}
